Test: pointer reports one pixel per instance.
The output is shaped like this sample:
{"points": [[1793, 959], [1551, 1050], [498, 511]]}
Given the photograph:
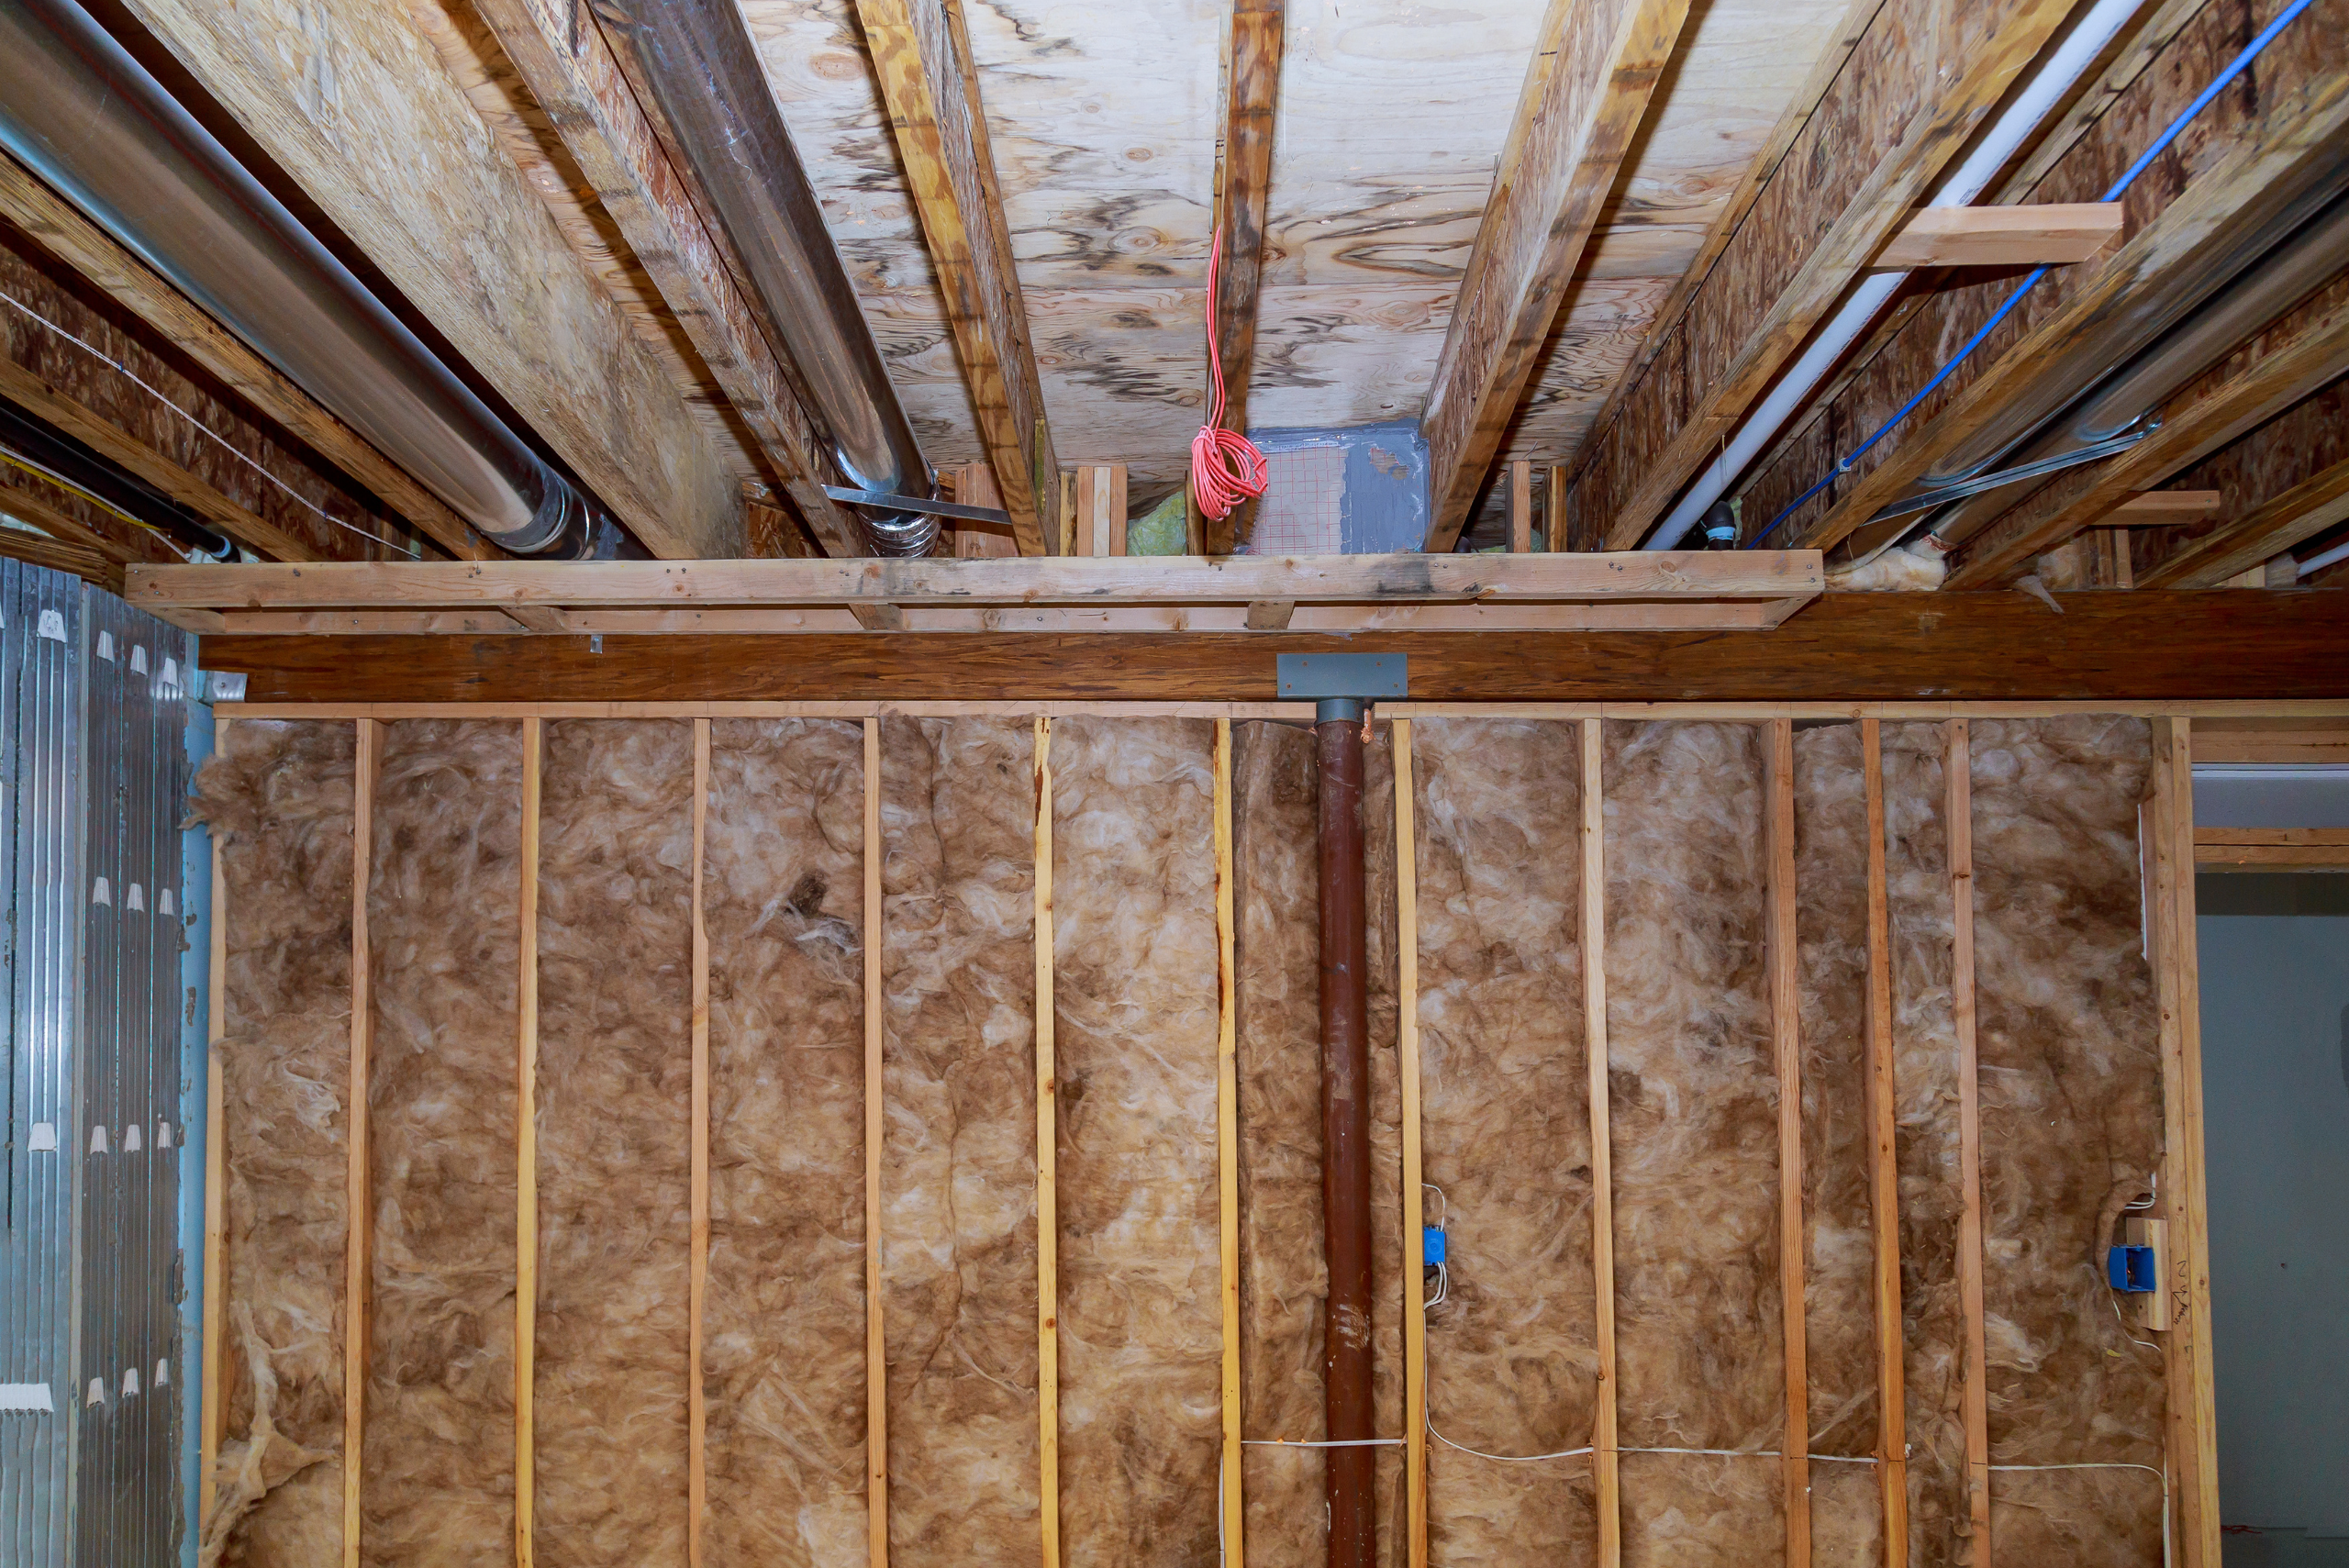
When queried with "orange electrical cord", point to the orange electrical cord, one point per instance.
{"points": [[1227, 468]]}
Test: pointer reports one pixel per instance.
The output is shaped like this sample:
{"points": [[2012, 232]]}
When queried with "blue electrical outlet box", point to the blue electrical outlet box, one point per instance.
{"points": [[2131, 1269], [1431, 1246]]}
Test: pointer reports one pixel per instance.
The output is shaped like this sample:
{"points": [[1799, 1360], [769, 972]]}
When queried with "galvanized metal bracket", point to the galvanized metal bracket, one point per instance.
{"points": [[1364, 676]]}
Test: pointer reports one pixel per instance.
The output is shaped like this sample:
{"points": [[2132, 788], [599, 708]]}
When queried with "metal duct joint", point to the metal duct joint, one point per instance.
{"points": [[87, 118], [705, 74]]}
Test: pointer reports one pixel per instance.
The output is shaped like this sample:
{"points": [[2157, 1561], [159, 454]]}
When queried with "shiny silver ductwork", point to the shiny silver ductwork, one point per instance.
{"points": [[704, 75], [86, 117]]}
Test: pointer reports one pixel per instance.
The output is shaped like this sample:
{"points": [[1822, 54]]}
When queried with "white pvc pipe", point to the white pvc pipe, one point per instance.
{"points": [[2046, 86], [2315, 563]]}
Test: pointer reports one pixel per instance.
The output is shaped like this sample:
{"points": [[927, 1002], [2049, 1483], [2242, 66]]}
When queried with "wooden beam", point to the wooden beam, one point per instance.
{"points": [[1227, 1125], [2053, 233], [2285, 373], [698, 1164], [1606, 1466], [1884, 1174], [1974, 1405], [2272, 739], [358, 1200], [1253, 41], [922, 56], [213, 1411], [876, 1357], [1520, 508], [2157, 509], [59, 555], [1785, 1035], [1593, 67], [1657, 450], [1101, 509], [395, 155], [72, 519], [2112, 313], [1407, 1033], [2306, 847], [571, 70], [526, 1145], [1048, 1272], [62, 229], [2275, 525], [1555, 512]]}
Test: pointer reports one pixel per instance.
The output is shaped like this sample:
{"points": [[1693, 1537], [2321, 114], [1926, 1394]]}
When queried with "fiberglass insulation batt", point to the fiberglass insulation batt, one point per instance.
{"points": [[615, 1142], [783, 1328], [958, 1168], [1135, 1013], [1512, 1368], [444, 927], [278, 796], [1693, 1102]]}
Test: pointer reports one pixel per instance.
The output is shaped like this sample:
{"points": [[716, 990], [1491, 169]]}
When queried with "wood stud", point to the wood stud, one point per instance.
{"points": [[1785, 1030], [1884, 1171], [1414, 1311], [1227, 1123], [213, 1411], [697, 1274], [877, 1360], [526, 1165], [1973, 1398], [1047, 1345], [1605, 1463], [359, 1205]]}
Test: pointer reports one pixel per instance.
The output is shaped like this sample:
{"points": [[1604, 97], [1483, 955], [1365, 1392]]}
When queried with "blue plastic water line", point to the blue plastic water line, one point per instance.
{"points": [[2160, 144]]}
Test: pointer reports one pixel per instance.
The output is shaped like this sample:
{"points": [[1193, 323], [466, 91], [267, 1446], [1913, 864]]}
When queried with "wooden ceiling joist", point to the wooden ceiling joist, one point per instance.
{"points": [[1749, 590], [921, 53], [1911, 94], [2054, 234], [2266, 531], [351, 100], [1595, 67]]}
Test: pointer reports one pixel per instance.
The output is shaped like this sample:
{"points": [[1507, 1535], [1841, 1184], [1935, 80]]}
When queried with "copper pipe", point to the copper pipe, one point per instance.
{"points": [[1345, 1139]]}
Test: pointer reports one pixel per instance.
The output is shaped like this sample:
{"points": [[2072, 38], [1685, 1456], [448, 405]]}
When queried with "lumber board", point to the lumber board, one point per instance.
{"points": [[64, 232], [1974, 1393], [1251, 90], [876, 1359], [398, 158], [1606, 1465], [2246, 738], [1100, 509], [2154, 508], [921, 55], [2273, 526], [71, 519], [1884, 1171], [1520, 508], [697, 1166], [1786, 1036], [2054, 233], [212, 1409], [1407, 1039], [1048, 1292], [359, 1205], [1595, 67], [2305, 847], [1227, 1135], [526, 1142], [579, 82], [56, 554]]}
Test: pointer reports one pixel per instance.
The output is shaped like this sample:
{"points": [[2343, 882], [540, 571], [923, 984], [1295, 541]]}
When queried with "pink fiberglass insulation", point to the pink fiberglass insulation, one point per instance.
{"points": [[1838, 1235], [1694, 1107], [783, 1336], [444, 922], [1512, 1368], [278, 796], [1136, 1000], [2071, 1130], [958, 1224], [615, 1141], [1924, 1051]]}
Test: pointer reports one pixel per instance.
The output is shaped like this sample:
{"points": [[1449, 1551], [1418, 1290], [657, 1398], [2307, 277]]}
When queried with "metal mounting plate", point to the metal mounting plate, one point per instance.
{"points": [[1367, 676]]}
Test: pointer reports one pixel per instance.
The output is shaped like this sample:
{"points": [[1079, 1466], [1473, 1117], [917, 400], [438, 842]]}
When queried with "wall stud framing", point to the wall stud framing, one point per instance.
{"points": [[1785, 1030], [1227, 1124], [1884, 1171], [214, 1410], [1415, 1310], [526, 1163], [1605, 1463], [697, 1276], [358, 1205], [1973, 1402], [1048, 1340], [876, 1361]]}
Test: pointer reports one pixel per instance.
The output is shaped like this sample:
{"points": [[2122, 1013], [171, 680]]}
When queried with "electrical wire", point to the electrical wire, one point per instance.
{"points": [[1227, 468], [2160, 144]]}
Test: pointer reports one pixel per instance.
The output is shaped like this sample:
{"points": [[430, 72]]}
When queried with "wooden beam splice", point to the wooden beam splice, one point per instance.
{"points": [[1914, 156], [876, 1359], [1415, 1308], [1227, 1142], [1606, 1462], [2054, 233], [1785, 1034], [1974, 1396], [1048, 1267], [1884, 1171], [921, 53], [1593, 67], [213, 1411], [2167, 822], [563, 57], [358, 1203], [525, 1164], [697, 1267]]}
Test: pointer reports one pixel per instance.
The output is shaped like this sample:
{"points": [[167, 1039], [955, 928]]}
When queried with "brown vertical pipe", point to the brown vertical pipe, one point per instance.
{"points": [[1345, 1139]]}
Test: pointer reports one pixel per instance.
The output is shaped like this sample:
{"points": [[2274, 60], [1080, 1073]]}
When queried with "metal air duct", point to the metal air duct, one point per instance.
{"points": [[704, 74], [86, 117]]}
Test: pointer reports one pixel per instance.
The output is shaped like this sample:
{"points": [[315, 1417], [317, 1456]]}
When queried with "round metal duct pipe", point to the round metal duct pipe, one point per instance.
{"points": [[705, 74], [86, 117]]}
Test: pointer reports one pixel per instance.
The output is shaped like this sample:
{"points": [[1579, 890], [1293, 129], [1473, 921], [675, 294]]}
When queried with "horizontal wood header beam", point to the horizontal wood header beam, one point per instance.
{"points": [[2052, 234]]}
